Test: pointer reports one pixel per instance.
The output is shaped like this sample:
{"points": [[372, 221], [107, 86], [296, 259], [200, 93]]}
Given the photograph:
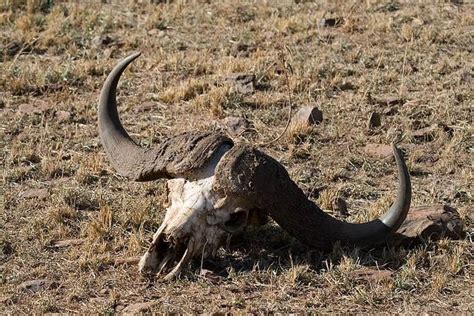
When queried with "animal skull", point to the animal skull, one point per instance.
{"points": [[216, 187], [198, 221]]}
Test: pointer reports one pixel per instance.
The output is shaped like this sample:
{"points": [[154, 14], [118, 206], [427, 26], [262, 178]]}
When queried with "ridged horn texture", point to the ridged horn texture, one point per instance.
{"points": [[246, 172], [185, 155]]}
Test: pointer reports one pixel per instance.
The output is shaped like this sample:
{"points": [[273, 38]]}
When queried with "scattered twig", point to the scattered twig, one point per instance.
{"points": [[288, 68]]}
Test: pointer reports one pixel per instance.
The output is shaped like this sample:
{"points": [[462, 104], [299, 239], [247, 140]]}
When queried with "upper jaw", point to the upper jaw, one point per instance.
{"points": [[167, 256]]}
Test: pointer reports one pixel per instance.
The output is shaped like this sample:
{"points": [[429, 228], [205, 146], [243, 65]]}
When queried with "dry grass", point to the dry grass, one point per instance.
{"points": [[54, 59]]}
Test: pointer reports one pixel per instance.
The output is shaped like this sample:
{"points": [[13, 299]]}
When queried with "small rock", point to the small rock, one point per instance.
{"points": [[67, 243], [63, 116], [145, 106], [109, 52], [426, 134], [389, 104], [35, 193], [36, 108], [374, 121], [307, 116], [126, 261], [242, 50], [138, 307], [390, 111], [346, 85], [371, 274], [386, 101], [97, 300], [378, 150], [430, 222], [430, 158], [330, 22], [35, 285], [102, 40], [243, 82], [268, 35], [236, 125], [340, 206], [6, 249], [466, 77], [26, 108]]}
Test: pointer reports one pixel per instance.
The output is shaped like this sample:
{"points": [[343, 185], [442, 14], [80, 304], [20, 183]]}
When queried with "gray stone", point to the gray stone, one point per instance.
{"points": [[235, 125], [242, 82], [307, 116], [374, 121]]}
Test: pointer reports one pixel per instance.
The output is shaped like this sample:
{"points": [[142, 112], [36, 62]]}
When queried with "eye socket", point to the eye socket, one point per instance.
{"points": [[236, 221]]}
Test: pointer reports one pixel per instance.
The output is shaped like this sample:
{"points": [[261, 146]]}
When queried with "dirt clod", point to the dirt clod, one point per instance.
{"points": [[126, 261], [63, 116], [35, 285], [426, 134], [34, 108], [236, 125], [103, 40], [41, 194], [378, 150], [138, 308], [243, 83], [371, 274]]}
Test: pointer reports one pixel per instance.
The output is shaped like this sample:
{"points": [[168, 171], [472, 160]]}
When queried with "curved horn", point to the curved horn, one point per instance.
{"points": [[121, 150], [187, 155], [247, 172]]}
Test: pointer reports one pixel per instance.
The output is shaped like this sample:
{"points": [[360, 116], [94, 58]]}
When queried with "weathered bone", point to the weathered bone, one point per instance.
{"points": [[219, 185]]}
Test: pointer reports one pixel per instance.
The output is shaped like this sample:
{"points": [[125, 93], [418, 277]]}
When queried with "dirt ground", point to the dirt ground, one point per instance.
{"points": [[69, 223]]}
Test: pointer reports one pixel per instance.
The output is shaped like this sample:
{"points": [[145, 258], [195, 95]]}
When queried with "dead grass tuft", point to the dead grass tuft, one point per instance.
{"points": [[100, 227]]}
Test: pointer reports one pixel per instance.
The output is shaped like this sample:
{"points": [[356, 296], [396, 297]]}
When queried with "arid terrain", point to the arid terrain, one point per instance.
{"points": [[71, 227]]}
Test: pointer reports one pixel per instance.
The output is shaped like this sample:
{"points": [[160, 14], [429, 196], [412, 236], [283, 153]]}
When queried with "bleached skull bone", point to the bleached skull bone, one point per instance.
{"points": [[213, 183], [198, 221]]}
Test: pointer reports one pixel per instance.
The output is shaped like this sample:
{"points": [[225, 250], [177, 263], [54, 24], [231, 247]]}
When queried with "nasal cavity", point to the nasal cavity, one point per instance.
{"points": [[236, 221]]}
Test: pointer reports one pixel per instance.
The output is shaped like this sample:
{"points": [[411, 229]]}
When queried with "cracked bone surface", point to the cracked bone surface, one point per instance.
{"points": [[217, 187]]}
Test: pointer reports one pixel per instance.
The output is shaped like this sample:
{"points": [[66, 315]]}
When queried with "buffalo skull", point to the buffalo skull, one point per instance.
{"points": [[216, 187]]}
